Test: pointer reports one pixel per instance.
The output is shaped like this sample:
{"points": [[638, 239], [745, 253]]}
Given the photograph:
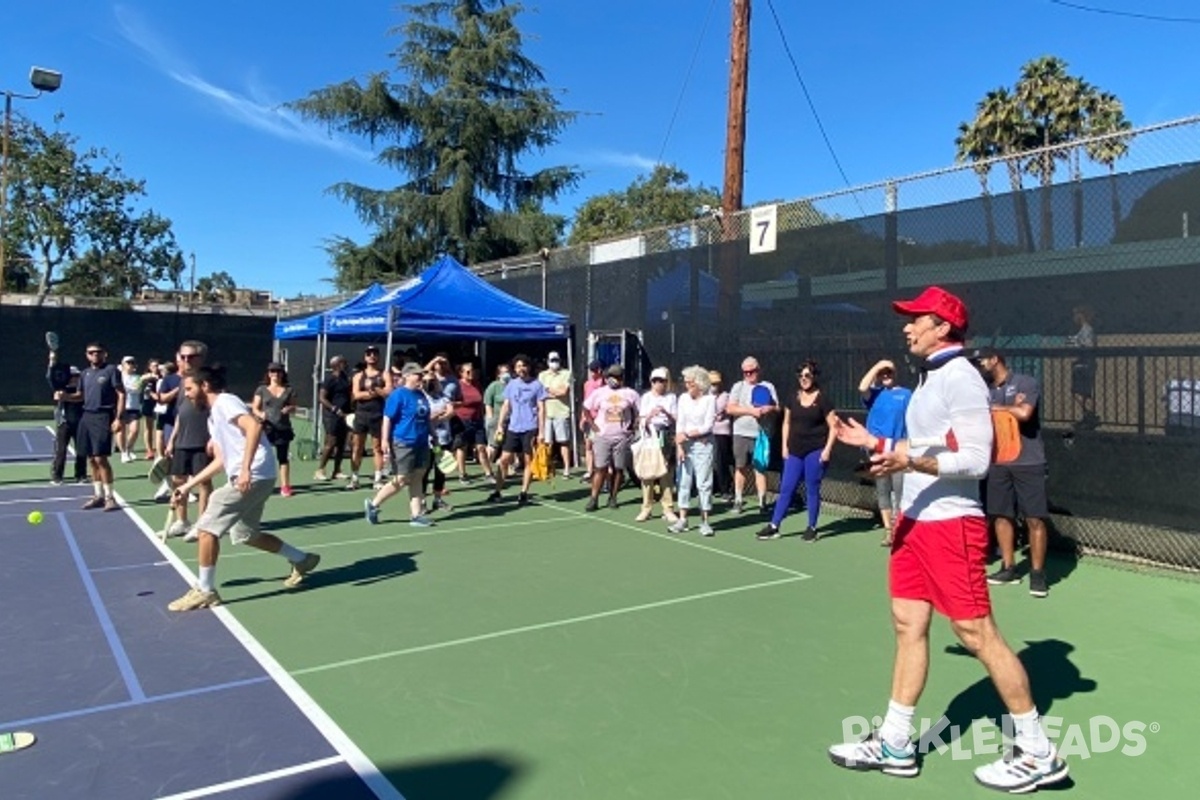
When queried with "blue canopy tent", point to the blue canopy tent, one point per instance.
{"points": [[314, 326], [447, 300]]}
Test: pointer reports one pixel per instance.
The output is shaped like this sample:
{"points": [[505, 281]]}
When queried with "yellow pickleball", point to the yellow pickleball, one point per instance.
{"points": [[35, 518]]}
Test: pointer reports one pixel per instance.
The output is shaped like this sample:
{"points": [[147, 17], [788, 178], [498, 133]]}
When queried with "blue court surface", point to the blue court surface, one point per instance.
{"points": [[129, 700], [25, 445]]}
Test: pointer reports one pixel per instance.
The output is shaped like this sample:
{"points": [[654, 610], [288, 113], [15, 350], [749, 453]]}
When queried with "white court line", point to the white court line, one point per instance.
{"points": [[26, 501], [263, 777], [324, 724], [599, 517], [441, 530], [541, 626], [28, 444]]}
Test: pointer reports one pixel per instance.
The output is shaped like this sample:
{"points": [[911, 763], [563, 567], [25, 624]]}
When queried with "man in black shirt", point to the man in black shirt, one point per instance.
{"points": [[103, 402], [335, 405], [68, 408]]}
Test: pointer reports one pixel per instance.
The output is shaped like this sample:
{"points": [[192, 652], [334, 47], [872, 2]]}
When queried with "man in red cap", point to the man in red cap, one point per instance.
{"points": [[939, 553]]}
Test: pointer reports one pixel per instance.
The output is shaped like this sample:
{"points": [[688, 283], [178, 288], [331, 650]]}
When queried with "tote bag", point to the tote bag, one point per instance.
{"points": [[648, 461]]}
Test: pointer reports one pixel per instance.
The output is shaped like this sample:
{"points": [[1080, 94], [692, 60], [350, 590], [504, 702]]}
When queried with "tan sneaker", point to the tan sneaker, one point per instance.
{"points": [[670, 517], [110, 504], [96, 501], [642, 516], [195, 599], [320, 475], [302, 568]]}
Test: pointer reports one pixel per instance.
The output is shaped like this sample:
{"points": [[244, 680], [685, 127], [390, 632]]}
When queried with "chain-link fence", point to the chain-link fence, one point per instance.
{"points": [[1047, 248]]}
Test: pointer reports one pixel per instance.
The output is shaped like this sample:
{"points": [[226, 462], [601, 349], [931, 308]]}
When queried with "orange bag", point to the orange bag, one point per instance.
{"points": [[1006, 437]]}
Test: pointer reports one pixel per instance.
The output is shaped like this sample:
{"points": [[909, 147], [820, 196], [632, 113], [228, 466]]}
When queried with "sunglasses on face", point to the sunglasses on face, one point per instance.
{"points": [[658, 380], [188, 356], [805, 375], [750, 372], [94, 352]]}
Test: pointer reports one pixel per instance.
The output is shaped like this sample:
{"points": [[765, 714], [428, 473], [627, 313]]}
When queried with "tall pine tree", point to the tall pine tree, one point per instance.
{"points": [[471, 106]]}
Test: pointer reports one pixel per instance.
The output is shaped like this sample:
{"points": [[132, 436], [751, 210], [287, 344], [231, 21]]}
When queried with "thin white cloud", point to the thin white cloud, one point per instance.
{"points": [[254, 109], [611, 158]]}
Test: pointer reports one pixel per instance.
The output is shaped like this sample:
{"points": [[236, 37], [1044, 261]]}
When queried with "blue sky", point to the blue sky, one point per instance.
{"points": [[189, 94]]}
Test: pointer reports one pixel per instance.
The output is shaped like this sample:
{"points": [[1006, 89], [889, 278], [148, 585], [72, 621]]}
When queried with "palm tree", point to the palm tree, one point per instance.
{"points": [[1056, 104], [999, 120], [1106, 116], [973, 145]]}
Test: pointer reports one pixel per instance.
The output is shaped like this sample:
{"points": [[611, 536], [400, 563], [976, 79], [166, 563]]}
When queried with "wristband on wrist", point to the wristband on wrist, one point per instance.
{"points": [[884, 445]]}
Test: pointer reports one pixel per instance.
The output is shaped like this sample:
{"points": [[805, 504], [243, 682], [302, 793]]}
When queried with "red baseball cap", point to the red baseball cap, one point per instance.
{"points": [[935, 300]]}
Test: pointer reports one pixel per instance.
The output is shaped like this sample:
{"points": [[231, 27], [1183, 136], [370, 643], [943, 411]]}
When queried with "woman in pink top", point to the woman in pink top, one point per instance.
{"points": [[722, 439]]}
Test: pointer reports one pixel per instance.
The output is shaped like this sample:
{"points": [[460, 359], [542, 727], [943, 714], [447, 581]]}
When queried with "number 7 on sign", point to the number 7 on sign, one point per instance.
{"points": [[762, 229]]}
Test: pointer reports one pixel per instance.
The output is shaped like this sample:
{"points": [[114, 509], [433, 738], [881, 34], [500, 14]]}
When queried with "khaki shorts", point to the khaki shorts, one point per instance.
{"points": [[238, 514]]}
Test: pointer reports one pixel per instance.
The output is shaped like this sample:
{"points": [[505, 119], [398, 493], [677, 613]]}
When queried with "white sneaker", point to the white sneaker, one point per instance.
{"points": [[1018, 772], [872, 753], [192, 535], [706, 529], [177, 528], [678, 526]]}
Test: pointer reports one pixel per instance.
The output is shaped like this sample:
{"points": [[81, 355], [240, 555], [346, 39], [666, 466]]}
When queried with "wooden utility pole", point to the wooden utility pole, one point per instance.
{"points": [[735, 139]]}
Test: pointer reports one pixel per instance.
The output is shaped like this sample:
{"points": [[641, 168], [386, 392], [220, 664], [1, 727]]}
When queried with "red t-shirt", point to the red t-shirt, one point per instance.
{"points": [[471, 409]]}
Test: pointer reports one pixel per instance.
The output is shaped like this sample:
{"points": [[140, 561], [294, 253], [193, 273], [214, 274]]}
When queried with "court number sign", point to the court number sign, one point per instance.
{"points": [[762, 229]]}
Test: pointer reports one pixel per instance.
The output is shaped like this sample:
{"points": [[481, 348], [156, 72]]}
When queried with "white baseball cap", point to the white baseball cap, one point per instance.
{"points": [[553, 356], [660, 372]]}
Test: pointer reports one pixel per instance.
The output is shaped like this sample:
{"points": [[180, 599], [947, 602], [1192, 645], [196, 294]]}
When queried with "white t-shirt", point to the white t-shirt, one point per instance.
{"points": [[661, 422], [696, 414], [951, 397], [225, 433]]}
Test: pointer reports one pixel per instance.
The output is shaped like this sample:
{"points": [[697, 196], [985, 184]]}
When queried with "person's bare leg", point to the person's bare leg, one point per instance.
{"points": [[1006, 537], [1038, 539]]}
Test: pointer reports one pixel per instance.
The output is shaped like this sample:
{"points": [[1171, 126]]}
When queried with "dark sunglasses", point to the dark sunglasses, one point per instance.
{"points": [[94, 352], [750, 372], [804, 375], [658, 380], [188, 356]]}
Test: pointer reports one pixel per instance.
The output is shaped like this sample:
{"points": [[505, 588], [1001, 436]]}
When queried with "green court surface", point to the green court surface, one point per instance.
{"points": [[542, 652]]}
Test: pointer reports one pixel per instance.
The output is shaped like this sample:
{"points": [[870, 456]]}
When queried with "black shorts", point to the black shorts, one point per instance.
{"points": [[147, 409], [131, 415], [1083, 378], [472, 433], [370, 424], [95, 436], [518, 442], [1017, 490], [335, 425], [188, 461]]}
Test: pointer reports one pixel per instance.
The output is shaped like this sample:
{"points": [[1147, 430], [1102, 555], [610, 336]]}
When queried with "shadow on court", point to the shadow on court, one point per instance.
{"points": [[483, 777], [364, 572], [1052, 676]]}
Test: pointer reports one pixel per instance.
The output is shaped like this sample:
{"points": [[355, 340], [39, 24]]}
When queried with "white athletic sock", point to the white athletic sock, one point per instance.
{"points": [[1030, 736], [208, 577], [108, 491], [98, 487], [290, 553], [897, 725]]}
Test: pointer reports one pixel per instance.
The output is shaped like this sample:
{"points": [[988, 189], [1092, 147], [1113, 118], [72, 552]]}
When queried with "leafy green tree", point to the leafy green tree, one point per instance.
{"points": [[662, 198], [74, 223], [1105, 120], [217, 287], [468, 107]]}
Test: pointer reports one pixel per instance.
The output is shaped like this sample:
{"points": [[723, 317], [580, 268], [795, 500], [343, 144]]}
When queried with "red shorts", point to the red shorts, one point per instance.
{"points": [[942, 562]]}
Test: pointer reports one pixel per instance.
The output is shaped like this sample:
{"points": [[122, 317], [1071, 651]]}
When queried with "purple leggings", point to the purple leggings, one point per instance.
{"points": [[795, 469]]}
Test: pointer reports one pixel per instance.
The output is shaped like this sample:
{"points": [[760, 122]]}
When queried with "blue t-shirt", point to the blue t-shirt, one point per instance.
{"points": [[409, 412], [886, 410], [523, 397]]}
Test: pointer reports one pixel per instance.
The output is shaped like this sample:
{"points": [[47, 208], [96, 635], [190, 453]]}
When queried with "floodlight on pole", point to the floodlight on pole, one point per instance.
{"points": [[43, 81]]}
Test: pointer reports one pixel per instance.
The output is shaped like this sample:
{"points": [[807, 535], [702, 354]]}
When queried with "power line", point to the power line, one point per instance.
{"points": [[686, 79], [820, 126], [1133, 14]]}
